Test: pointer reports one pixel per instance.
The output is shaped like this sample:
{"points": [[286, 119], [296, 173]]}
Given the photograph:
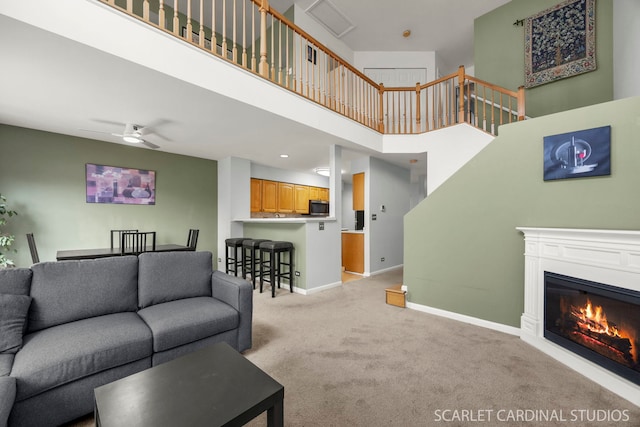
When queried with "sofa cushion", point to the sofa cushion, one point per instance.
{"points": [[71, 290], [7, 394], [183, 321], [6, 362], [169, 276], [16, 281], [61, 354], [13, 316]]}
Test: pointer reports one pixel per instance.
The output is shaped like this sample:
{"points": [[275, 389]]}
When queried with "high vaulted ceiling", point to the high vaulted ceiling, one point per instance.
{"points": [[60, 85], [442, 26]]}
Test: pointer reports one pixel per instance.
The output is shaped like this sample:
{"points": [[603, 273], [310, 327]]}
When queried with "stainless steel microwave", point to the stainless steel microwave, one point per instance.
{"points": [[318, 207]]}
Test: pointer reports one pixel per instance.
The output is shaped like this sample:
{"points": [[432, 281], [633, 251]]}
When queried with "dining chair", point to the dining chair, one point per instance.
{"points": [[134, 243], [192, 240], [118, 233], [32, 247]]}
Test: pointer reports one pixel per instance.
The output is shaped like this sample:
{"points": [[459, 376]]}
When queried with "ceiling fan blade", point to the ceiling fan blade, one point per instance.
{"points": [[100, 131], [153, 132], [150, 144], [108, 122]]}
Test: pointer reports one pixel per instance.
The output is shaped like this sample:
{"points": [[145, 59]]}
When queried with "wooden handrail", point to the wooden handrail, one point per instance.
{"points": [[295, 60], [315, 42]]}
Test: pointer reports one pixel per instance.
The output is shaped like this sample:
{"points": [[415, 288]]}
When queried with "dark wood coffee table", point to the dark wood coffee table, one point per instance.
{"points": [[216, 386]]}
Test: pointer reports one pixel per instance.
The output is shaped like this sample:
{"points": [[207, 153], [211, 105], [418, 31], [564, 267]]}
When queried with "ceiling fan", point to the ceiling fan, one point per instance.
{"points": [[132, 134]]}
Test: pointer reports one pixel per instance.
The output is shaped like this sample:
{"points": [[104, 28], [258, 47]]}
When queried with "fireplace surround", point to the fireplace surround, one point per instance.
{"points": [[608, 259]]}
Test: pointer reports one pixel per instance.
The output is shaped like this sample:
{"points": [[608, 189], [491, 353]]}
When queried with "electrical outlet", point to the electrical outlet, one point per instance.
{"points": [[382, 259], [321, 226], [374, 217], [297, 273], [219, 259]]}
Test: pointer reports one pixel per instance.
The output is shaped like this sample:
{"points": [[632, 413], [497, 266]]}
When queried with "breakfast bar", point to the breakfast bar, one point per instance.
{"points": [[317, 247]]}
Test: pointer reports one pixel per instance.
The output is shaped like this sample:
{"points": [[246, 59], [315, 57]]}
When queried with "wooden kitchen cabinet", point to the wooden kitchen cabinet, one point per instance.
{"points": [[285, 202], [314, 193], [256, 195], [269, 196], [353, 252], [323, 194], [358, 191], [301, 199], [319, 193], [284, 197]]}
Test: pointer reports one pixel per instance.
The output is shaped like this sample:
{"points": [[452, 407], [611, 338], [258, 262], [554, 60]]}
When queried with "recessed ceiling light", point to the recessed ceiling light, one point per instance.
{"points": [[284, 156]]}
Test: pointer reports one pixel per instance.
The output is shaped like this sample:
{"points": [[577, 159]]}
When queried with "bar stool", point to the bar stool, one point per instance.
{"points": [[272, 259], [233, 255], [251, 258]]}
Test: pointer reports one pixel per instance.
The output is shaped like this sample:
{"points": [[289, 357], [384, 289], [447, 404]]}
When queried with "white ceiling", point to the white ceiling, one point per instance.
{"points": [[442, 26], [55, 84]]}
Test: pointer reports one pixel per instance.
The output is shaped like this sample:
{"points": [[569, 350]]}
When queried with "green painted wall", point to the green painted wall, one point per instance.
{"points": [[499, 58], [43, 176], [294, 233], [462, 252]]}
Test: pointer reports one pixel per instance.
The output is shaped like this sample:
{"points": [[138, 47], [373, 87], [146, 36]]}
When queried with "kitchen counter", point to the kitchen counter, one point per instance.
{"points": [[316, 241], [286, 220], [353, 231]]}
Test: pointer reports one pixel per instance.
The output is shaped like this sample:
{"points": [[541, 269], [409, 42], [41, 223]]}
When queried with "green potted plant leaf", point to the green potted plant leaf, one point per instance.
{"points": [[6, 240]]}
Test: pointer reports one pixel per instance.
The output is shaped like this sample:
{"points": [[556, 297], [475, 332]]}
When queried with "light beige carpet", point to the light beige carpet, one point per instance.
{"points": [[346, 358]]}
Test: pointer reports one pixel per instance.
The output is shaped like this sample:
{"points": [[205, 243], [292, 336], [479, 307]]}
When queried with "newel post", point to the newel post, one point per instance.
{"points": [[461, 94], [263, 66], [381, 109], [521, 109]]}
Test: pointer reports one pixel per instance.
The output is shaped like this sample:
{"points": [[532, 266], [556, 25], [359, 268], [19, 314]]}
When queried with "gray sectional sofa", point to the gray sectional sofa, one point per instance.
{"points": [[68, 327]]}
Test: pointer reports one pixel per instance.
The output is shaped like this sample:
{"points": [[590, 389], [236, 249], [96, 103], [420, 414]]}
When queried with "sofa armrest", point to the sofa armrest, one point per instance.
{"points": [[7, 397], [238, 293]]}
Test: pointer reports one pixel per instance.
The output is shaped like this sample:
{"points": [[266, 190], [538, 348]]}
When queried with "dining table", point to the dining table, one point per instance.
{"points": [[77, 254]]}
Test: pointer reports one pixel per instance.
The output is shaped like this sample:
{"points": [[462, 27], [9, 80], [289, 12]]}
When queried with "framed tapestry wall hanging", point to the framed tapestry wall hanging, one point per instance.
{"points": [[560, 42]]}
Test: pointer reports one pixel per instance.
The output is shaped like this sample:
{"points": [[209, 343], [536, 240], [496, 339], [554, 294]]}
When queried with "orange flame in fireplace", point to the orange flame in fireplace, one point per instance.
{"points": [[594, 319], [598, 320]]}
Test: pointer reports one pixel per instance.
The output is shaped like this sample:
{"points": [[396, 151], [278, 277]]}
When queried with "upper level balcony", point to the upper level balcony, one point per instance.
{"points": [[259, 39], [161, 64]]}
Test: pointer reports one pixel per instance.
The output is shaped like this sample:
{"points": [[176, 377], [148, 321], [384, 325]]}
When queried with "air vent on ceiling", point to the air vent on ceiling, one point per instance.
{"points": [[327, 14]]}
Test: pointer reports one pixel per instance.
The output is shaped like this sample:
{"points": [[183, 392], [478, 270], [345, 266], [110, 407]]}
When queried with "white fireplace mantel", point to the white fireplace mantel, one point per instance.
{"points": [[611, 257]]}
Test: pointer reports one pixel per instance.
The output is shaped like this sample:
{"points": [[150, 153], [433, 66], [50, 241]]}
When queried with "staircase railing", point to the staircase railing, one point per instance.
{"points": [[259, 39]]}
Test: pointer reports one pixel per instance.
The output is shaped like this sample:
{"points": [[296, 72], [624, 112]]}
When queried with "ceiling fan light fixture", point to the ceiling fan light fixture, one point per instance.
{"points": [[132, 133], [134, 139]]}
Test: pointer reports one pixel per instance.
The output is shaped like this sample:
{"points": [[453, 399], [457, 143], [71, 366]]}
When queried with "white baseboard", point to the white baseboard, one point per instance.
{"points": [[375, 273], [317, 289], [466, 319]]}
